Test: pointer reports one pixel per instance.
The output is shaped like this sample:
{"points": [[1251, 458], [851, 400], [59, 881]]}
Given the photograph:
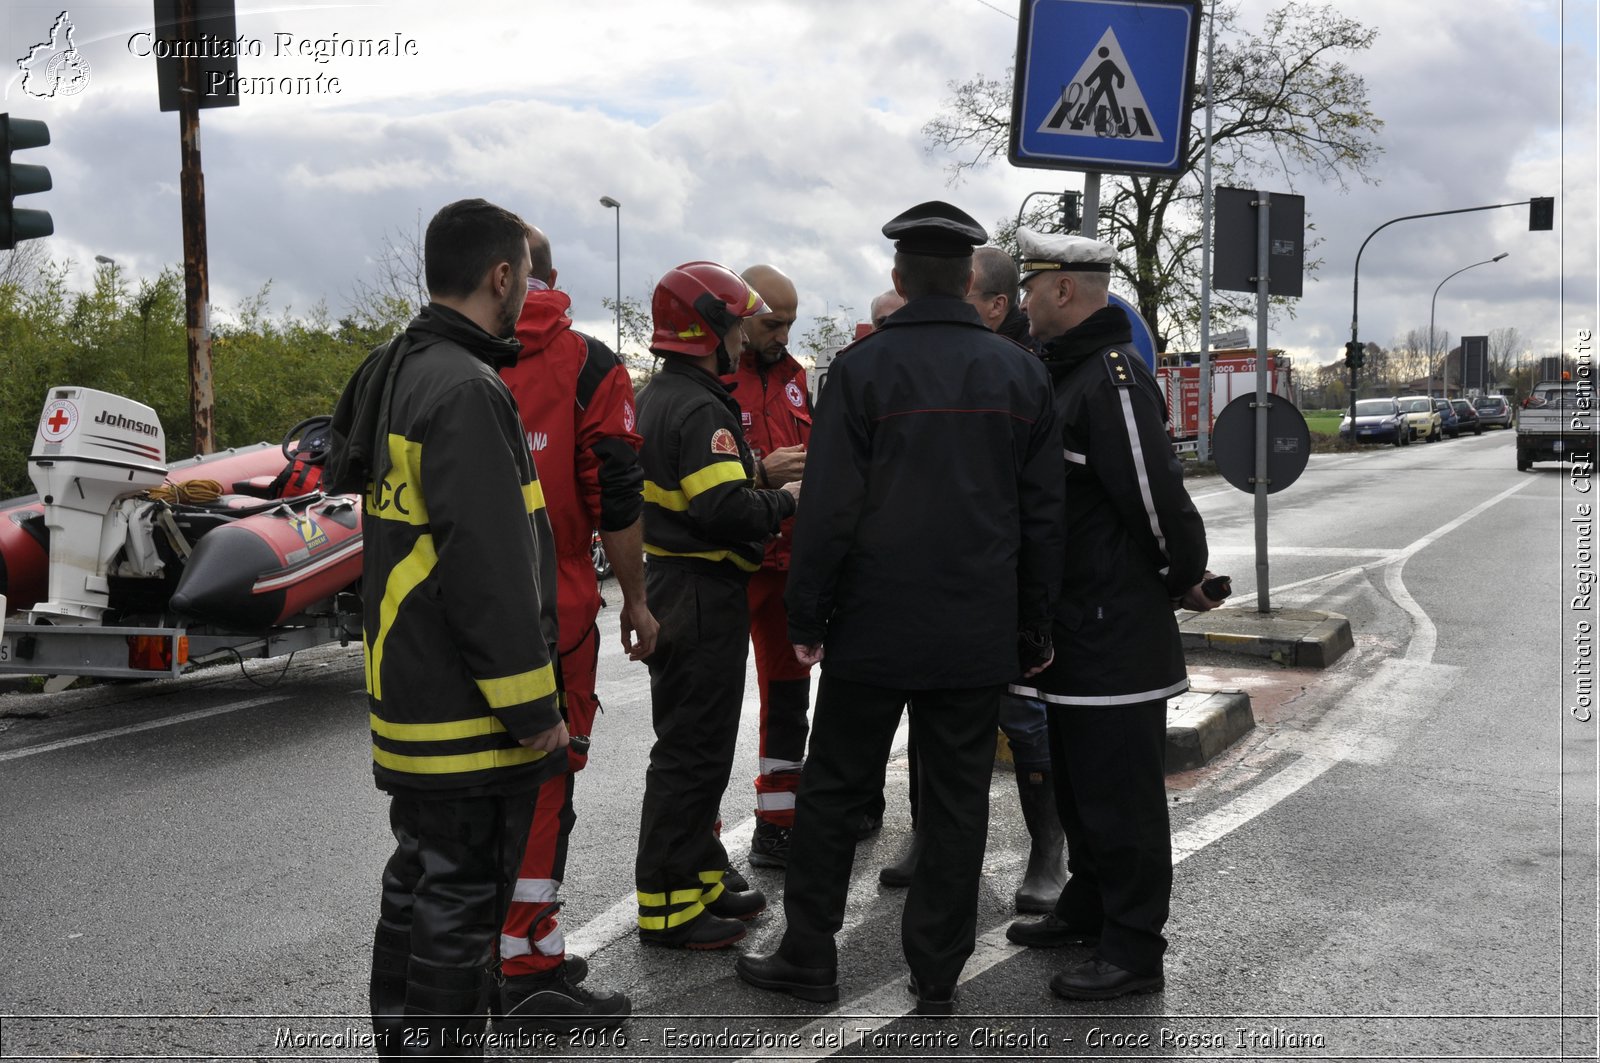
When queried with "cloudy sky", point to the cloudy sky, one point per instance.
{"points": [[781, 131]]}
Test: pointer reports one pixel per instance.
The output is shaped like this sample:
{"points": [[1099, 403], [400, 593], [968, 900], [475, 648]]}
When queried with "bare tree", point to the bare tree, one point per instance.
{"points": [[1505, 351], [398, 288], [22, 268], [1286, 106]]}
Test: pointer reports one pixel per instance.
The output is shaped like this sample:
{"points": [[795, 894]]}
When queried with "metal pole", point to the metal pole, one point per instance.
{"points": [[1432, 306], [1091, 204], [619, 280], [1263, 206], [1203, 452], [196, 282]]}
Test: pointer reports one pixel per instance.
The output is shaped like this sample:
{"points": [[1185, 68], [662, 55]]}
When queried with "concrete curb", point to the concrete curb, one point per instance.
{"points": [[1299, 638], [1202, 723]]}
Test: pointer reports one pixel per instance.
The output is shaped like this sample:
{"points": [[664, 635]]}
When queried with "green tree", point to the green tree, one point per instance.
{"points": [[829, 331], [1286, 106]]}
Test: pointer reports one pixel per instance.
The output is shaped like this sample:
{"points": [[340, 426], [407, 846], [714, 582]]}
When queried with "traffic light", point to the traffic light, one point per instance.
{"points": [[1354, 355], [1541, 214], [1071, 219], [19, 179]]}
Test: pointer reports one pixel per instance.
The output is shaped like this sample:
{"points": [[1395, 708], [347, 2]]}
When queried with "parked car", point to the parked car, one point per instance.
{"points": [[1377, 421], [1449, 422], [1467, 416], [1421, 418], [1495, 412]]}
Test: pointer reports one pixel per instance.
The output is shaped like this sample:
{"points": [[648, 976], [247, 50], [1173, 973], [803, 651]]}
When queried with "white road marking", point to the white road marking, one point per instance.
{"points": [[134, 728]]}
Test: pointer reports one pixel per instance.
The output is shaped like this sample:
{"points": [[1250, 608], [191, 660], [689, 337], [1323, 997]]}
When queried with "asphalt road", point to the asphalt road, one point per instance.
{"points": [[1399, 862]]}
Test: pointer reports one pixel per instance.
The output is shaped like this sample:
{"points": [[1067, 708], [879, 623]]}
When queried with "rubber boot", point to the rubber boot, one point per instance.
{"points": [[445, 1011], [898, 874], [1043, 881], [391, 953]]}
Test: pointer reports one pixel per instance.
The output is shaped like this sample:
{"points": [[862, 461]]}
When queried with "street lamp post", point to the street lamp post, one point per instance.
{"points": [[1433, 306], [611, 204]]}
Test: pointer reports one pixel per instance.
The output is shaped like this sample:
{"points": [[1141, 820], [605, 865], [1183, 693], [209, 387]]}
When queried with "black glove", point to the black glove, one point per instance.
{"points": [[1034, 646]]}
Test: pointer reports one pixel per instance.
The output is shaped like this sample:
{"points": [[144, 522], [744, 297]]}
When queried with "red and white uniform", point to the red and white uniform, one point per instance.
{"points": [[577, 406], [775, 410]]}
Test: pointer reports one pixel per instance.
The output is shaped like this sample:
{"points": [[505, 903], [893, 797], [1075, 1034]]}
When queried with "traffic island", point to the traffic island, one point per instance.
{"points": [[1298, 638], [1200, 725]]}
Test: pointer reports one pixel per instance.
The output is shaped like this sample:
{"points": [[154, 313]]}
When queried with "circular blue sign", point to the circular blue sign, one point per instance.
{"points": [[1144, 338]]}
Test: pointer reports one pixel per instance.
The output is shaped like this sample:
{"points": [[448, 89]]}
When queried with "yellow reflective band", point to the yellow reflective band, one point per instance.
{"points": [[712, 892], [692, 332], [476, 727], [518, 689], [457, 763], [709, 877], [533, 496], [655, 494], [750, 303], [403, 579], [718, 472], [708, 555], [662, 900], [656, 922], [399, 496]]}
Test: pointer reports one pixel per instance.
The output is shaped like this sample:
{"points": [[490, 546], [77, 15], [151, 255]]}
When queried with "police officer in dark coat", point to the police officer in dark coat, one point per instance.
{"points": [[925, 560], [1137, 550]]}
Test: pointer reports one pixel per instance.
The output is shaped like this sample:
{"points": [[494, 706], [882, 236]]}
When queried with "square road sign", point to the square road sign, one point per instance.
{"points": [[1104, 85]]}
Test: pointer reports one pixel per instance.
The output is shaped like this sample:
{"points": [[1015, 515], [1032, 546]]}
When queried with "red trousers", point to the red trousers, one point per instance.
{"points": [[530, 940], [785, 688]]}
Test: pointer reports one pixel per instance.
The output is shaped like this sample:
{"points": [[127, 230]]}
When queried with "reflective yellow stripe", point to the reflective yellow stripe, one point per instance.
{"points": [[662, 900], [403, 579], [456, 763], [718, 472], [655, 494], [476, 727], [709, 555], [657, 922], [533, 496], [399, 496], [518, 689]]}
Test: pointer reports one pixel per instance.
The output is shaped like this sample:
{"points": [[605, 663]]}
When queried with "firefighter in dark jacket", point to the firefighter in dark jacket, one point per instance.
{"points": [[459, 636], [705, 529], [1136, 551], [926, 573]]}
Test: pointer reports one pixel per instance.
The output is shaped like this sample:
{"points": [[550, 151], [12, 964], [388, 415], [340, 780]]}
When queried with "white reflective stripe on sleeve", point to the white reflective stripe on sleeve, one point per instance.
{"points": [[552, 944], [536, 890], [1074, 457], [772, 766], [1104, 700], [511, 947], [774, 802], [1138, 466]]}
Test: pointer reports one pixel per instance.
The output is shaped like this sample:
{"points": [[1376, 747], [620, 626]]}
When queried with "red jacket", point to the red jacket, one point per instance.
{"points": [[577, 406], [775, 410]]}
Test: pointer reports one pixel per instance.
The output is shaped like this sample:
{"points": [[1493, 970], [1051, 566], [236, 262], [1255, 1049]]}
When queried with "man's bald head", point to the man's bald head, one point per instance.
{"points": [[884, 305], [539, 251], [767, 335]]}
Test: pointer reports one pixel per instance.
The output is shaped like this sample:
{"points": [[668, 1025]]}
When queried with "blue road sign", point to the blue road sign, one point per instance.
{"points": [[1144, 338], [1104, 85]]}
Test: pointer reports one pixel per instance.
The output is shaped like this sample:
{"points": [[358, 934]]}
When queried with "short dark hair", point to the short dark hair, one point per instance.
{"points": [[467, 239], [923, 275], [997, 273]]}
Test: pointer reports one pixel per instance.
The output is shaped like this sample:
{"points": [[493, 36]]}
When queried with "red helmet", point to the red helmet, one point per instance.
{"points": [[696, 304]]}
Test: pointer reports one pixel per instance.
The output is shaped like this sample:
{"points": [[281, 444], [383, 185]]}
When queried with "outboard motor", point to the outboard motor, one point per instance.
{"points": [[91, 449]]}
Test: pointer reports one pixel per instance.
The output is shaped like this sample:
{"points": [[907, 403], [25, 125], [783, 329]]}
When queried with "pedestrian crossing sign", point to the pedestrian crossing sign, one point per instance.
{"points": [[1104, 85]]}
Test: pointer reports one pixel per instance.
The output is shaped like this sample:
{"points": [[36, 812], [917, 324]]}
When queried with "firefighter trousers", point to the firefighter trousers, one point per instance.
{"points": [[696, 689], [785, 688], [852, 731], [1110, 778]]}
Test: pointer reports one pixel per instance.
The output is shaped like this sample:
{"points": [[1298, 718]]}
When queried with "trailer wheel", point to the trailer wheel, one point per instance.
{"points": [[1524, 460]]}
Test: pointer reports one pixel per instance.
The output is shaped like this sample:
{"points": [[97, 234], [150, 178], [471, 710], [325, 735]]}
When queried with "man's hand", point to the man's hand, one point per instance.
{"points": [[785, 464], [1036, 669], [549, 741], [1195, 597], [807, 655], [639, 622], [793, 487]]}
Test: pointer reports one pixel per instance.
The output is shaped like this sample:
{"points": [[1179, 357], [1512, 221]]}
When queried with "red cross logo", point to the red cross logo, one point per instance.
{"points": [[58, 420]]}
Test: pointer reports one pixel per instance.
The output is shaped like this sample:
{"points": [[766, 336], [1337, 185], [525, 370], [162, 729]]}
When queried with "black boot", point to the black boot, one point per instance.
{"points": [[445, 1011], [898, 874], [391, 952], [1043, 881]]}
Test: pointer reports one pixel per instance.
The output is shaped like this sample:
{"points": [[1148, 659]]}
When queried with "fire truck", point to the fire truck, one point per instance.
{"points": [[1233, 373]]}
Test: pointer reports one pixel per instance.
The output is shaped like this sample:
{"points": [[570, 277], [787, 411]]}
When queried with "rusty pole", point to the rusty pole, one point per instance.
{"points": [[196, 283]]}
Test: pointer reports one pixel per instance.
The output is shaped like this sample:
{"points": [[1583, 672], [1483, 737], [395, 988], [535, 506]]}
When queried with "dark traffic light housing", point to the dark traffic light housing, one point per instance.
{"points": [[1541, 214], [1354, 355], [20, 179]]}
